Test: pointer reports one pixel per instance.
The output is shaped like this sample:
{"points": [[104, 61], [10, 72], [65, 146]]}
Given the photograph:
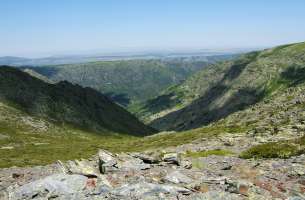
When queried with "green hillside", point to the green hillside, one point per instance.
{"points": [[45, 122], [65, 103], [128, 81], [224, 88]]}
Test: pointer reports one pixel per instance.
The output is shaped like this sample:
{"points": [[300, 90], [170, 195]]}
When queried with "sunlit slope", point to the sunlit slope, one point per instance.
{"points": [[225, 88]]}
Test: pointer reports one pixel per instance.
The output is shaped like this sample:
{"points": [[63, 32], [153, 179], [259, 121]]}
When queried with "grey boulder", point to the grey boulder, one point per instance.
{"points": [[177, 177], [143, 190], [174, 158], [59, 186], [127, 162], [150, 159], [82, 167], [107, 161]]}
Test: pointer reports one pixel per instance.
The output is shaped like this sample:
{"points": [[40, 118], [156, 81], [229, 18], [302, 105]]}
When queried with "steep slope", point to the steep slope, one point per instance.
{"points": [[222, 89], [65, 103], [283, 112], [127, 81], [27, 140]]}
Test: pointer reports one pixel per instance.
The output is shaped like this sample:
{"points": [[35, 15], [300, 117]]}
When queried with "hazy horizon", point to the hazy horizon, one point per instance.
{"points": [[61, 27], [137, 52]]}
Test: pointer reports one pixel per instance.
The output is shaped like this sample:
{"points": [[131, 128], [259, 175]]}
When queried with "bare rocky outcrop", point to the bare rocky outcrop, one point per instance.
{"points": [[135, 176]]}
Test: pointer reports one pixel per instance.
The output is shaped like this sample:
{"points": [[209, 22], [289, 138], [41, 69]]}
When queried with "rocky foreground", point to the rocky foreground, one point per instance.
{"points": [[162, 174]]}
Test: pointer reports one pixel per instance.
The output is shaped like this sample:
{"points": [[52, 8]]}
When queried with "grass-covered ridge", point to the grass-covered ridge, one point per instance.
{"points": [[224, 88], [66, 103]]}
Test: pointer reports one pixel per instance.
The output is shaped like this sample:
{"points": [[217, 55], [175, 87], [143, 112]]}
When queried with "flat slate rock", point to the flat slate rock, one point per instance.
{"points": [[59, 186]]}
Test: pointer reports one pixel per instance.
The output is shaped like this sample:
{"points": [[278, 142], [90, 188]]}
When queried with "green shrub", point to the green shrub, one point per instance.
{"points": [[283, 149]]}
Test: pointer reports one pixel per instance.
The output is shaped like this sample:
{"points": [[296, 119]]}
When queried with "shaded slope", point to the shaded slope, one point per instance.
{"points": [[181, 95], [66, 103], [220, 90]]}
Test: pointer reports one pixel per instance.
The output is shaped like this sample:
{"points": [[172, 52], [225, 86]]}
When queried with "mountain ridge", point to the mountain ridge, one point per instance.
{"points": [[66, 103], [229, 87], [125, 81]]}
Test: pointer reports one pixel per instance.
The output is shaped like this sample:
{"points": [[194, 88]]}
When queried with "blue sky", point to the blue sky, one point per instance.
{"points": [[46, 27]]}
